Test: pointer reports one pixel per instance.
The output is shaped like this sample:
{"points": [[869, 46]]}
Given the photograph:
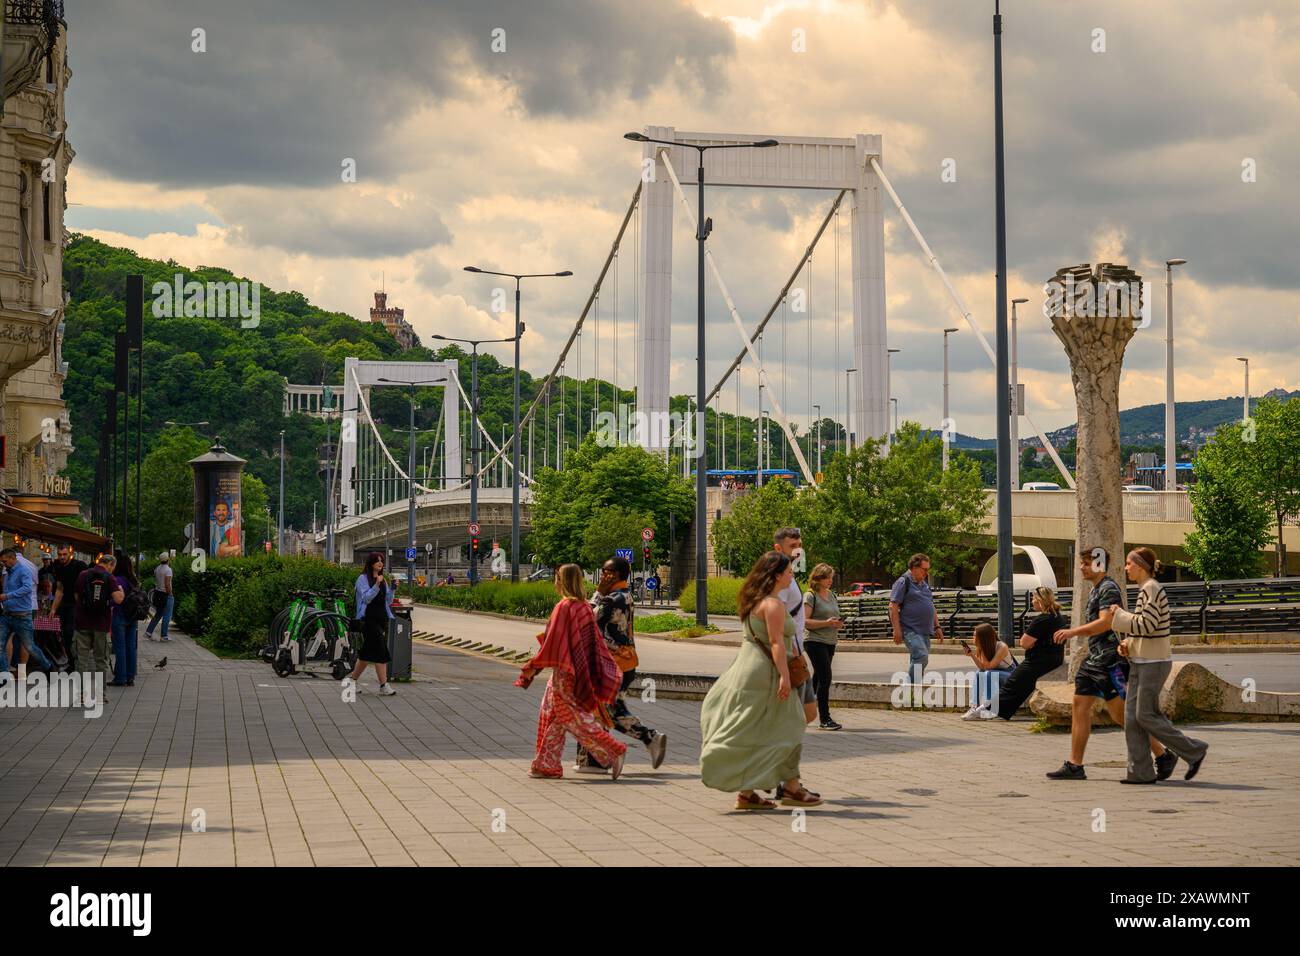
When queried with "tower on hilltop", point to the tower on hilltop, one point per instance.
{"points": [[393, 320]]}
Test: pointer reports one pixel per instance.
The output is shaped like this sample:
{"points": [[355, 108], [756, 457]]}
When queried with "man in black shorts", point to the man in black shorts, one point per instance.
{"points": [[1103, 673]]}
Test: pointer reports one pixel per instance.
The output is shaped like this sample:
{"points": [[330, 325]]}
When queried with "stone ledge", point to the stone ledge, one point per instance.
{"points": [[1192, 693]]}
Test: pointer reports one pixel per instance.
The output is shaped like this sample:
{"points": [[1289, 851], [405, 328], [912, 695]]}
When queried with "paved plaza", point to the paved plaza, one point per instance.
{"points": [[284, 772]]}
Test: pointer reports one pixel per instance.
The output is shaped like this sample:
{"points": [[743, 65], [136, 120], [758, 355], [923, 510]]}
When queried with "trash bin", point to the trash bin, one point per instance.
{"points": [[399, 644]]}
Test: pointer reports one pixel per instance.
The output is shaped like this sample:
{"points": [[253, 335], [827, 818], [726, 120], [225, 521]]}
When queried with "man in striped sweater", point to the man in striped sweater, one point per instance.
{"points": [[1147, 647]]}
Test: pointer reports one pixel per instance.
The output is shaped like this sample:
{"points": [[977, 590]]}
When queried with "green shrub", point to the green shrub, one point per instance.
{"points": [[661, 623], [722, 595], [230, 604], [534, 599]]}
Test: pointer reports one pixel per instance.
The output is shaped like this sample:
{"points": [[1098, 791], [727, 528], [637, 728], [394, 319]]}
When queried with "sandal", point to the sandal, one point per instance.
{"points": [[803, 798], [780, 791], [754, 802]]}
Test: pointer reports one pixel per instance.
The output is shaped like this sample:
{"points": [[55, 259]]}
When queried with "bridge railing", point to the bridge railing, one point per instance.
{"points": [[1168, 506]]}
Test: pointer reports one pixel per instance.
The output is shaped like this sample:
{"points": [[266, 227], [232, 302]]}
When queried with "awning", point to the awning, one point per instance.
{"points": [[29, 525]]}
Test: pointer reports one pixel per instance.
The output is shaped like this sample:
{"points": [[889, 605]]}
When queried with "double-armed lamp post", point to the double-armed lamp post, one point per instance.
{"points": [[473, 438], [702, 230], [514, 439]]}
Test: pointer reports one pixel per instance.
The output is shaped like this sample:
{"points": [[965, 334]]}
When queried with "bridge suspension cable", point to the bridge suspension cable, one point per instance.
{"points": [[965, 312], [735, 318]]}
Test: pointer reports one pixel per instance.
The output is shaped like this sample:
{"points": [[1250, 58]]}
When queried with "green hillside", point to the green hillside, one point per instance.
{"points": [[201, 369]]}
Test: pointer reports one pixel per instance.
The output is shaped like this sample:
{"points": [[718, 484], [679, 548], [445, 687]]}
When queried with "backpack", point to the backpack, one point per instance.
{"points": [[96, 591], [135, 606]]}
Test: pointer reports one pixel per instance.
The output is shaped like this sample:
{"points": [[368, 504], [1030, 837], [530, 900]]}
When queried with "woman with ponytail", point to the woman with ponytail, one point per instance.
{"points": [[1146, 644]]}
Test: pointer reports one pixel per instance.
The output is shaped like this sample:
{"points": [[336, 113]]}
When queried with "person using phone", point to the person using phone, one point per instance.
{"points": [[823, 622], [374, 595], [995, 663]]}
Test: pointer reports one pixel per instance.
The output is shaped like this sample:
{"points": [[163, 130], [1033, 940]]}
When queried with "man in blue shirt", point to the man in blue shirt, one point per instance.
{"points": [[17, 602], [912, 614]]}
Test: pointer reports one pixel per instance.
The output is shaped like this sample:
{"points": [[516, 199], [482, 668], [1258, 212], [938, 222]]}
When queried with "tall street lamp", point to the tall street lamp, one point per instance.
{"points": [[1171, 435], [514, 440], [947, 421], [848, 411], [1016, 410], [410, 481], [279, 536], [889, 389], [704, 226], [1245, 401], [1005, 566], [473, 439], [817, 436]]}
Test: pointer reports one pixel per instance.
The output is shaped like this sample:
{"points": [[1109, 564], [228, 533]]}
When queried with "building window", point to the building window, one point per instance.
{"points": [[45, 212]]}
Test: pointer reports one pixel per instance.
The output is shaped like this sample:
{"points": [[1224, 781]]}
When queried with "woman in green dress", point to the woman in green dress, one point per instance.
{"points": [[751, 724]]}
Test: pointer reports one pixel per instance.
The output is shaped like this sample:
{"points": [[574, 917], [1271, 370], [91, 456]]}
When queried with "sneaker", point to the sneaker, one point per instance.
{"points": [[973, 713], [167, 639], [658, 747], [1165, 764], [830, 725], [617, 766], [387, 690], [589, 768], [1068, 771]]}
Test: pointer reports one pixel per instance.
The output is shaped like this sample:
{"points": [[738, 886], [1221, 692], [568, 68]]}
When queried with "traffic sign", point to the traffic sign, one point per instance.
{"points": [[624, 553], [647, 534], [473, 527], [410, 554], [651, 584], [429, 548]]}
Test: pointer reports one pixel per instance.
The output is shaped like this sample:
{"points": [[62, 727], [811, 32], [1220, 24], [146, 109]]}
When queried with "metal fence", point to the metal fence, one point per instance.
{"points": [[1254, 606]]}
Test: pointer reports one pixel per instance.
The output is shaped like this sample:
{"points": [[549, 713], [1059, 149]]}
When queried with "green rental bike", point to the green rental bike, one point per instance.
{"points": [[313, 629]]}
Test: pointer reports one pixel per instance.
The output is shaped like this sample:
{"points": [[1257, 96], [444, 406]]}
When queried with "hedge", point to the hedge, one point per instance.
{"points": [[535, 599], [230, 604], [723, 593]]}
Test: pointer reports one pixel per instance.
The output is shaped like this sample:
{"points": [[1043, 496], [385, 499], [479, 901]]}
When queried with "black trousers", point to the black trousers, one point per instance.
{"points": [[1017, 688], [820, 655], [66, 621]]}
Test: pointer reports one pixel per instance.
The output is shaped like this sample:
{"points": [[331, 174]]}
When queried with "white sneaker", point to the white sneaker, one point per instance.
{"points": [[987, 712], [387, 690], [972, 714]]}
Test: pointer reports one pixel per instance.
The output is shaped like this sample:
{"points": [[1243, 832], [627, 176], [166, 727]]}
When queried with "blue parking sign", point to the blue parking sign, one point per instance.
{"points": [[624, 553], [410, 554]]}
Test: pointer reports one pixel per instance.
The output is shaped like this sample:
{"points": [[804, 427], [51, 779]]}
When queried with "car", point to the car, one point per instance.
{"points": [[859, 588], [542, 574], [1138, 488], [1040, 486]]}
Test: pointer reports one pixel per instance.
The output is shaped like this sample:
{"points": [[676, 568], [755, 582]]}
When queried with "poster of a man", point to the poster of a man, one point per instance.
{"points": [[224, 535]]}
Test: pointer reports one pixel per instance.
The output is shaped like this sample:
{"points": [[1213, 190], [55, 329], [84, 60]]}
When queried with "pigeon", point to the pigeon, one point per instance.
{"points": [[161, 664]]}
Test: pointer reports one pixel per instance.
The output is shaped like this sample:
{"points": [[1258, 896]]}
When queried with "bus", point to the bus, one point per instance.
{"points": [[733, 478]]}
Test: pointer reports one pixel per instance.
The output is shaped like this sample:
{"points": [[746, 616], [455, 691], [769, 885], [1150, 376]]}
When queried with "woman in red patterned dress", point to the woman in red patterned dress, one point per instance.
{"points": [[583, 677]]}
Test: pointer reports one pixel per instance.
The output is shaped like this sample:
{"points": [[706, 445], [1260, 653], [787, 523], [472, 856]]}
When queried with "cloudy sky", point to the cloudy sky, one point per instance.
{"points": [[1128, 128]]}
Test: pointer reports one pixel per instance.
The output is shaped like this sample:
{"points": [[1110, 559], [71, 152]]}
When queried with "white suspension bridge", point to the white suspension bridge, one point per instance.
{"points": [[372, 484]]}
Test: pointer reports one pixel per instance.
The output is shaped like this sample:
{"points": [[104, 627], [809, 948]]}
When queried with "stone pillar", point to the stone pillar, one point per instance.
{"points": [[1094, 314], [870, 412]]}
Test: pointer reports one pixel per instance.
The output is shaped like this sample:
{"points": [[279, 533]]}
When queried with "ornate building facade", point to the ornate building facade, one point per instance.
{"points": [[34, 159]]}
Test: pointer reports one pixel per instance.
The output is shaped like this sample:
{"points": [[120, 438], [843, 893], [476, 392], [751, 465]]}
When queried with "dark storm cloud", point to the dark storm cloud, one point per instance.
{"points": [[1147, 137], [287, 90]]}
